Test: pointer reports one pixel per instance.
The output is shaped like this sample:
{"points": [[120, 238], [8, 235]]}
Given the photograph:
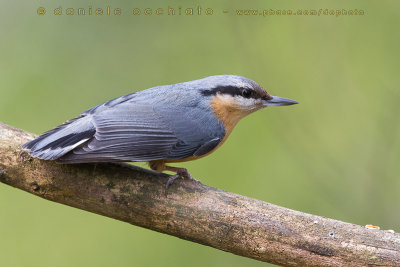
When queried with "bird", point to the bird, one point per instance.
{"points": [[161, 125]]}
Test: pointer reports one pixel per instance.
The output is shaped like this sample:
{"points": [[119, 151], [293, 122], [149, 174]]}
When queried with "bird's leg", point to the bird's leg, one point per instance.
{"points": [[180, 172]]}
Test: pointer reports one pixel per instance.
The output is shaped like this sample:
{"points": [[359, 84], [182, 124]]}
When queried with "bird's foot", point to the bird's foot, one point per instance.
{"points": [[180, 173], [171, 179]]}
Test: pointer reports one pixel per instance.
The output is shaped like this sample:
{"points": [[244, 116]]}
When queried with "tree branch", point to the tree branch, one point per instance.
{"points": [[196, 212]]}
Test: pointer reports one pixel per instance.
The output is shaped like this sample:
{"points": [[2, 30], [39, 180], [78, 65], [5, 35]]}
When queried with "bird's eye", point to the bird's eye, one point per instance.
{"points": [[246, 93]]}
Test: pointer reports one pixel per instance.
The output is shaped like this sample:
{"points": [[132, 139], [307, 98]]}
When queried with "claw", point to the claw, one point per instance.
{"points": [[186, 175], [180, 173], [171, 179]]}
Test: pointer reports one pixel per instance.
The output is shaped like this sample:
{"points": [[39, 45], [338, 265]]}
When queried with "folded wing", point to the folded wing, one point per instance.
{"points": [[122, 130]]}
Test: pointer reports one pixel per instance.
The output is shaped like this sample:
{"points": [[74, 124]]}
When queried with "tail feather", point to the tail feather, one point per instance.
{"points": [[62, 139]]}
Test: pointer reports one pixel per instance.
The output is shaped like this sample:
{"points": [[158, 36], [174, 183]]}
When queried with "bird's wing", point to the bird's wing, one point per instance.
{"points": [[59, 141], [139, 132]]}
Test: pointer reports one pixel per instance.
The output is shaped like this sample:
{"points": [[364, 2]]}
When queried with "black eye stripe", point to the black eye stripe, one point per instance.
{"points": [[230, 90]]}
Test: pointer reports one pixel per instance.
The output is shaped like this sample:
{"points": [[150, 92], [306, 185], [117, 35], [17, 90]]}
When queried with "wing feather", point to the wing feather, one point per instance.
{"points": [[138, 132]]}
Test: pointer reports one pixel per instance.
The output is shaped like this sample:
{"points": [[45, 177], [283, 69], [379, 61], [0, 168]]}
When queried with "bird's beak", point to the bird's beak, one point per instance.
{"points": [[279, 101]]}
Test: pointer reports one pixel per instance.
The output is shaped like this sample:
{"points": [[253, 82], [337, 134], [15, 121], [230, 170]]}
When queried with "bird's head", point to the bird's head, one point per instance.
{"points": [[238, 96]]}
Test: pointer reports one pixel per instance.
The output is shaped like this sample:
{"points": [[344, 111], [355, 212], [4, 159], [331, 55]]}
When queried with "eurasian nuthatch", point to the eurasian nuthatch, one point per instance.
{"points": [[163, 124]]}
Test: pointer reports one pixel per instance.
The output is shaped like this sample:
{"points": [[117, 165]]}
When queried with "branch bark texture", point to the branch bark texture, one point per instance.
{"points": [[196, 212]]}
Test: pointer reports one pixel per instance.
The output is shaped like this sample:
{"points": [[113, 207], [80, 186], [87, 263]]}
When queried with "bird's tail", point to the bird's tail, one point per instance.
{"points": [[62, 139]]}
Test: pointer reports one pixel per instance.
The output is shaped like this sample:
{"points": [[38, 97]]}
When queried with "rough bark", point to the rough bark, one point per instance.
{"points": [[196, 212]]}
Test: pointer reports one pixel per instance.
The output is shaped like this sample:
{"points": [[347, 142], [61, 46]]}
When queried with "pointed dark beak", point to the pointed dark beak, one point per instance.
{"points": [[279, 101]]}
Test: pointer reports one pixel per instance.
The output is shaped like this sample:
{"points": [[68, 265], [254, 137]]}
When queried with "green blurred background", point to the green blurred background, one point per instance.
{"points": [[336, 154]]}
